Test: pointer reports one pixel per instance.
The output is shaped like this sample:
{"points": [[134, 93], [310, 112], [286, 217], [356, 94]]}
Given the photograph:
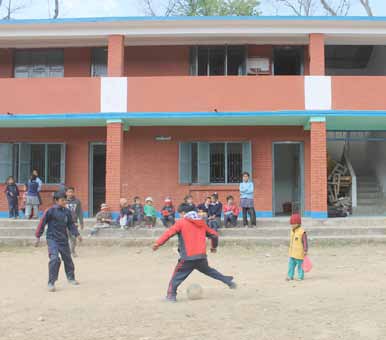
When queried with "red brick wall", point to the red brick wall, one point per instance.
{"points": [[116, 61], [318, 167], [77, 62], [114, 161], [316, 55], [151, 167], [77, 146], [157, 61]]}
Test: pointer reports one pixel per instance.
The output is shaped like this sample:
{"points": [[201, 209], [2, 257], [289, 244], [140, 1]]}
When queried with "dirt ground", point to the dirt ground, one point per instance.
{"points": [[122, 290]]}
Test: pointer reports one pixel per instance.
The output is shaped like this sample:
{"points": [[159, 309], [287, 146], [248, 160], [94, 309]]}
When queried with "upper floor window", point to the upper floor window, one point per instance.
{"points": [[39, 63], [99, 62], [218, 60]]}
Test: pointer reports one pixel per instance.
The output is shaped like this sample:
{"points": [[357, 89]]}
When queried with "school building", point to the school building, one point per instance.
{"points": [[150, 106]]}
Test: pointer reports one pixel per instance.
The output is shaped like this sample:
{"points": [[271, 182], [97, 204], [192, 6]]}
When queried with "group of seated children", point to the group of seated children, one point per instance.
{"points": [[135, 214]]}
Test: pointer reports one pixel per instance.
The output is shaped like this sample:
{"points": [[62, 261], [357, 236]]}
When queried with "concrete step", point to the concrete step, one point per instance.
{"points": [[369, 211], [368, 201], [224, 241], [229, 232], [368, 187], [369, 195]]}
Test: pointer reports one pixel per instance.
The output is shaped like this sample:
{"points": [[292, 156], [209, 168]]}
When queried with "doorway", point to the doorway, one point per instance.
{"points": [[288, 60], [287, 178], [97, 177]]}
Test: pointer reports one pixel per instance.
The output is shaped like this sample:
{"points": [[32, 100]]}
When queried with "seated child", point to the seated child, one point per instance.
{"points": [[104, 220], [214, 212], [150, 213], [187, 205], [168, 213], [137, 209], [203, 208], [231, 212], [298, 248], [125, 218]]}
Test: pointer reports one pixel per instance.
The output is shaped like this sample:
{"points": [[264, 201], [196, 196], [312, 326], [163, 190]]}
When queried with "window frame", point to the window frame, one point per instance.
{"points": [[193, 66], [93, 63], [226, 183], [19, 162]]}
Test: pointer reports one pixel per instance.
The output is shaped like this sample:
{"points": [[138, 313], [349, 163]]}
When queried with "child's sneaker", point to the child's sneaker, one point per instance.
{"points": [[73, 282], [51, 287], [289, 279], [233, 285], [171, 299]]}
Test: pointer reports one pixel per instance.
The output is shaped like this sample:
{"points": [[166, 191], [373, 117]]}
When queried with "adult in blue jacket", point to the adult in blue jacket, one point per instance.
{"points": [[58, 220], [246, 200]]}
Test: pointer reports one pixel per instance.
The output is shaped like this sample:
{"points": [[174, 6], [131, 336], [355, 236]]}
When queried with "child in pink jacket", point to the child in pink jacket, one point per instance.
{"points": [[231, 212]]}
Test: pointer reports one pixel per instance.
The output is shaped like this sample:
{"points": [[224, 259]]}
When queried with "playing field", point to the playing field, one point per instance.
{"points": [[122, 290]]}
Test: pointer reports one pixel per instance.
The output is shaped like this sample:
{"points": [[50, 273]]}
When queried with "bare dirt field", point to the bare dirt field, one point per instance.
{"points": [[122, 290]]}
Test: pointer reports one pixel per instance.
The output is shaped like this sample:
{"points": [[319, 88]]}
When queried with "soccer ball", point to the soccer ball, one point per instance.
{"points": [[194, 292]]}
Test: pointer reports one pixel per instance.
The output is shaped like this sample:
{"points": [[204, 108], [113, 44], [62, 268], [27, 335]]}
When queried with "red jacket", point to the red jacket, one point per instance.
{"points": [[192, 236], [231, 208]]}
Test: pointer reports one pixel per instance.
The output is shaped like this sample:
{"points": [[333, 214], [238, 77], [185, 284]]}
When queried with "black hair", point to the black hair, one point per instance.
{"points": [[10, 177], [136, 198], [246, 173], [230, 197], [187, 197], [215, 195], [70, 188], [58, 195]]}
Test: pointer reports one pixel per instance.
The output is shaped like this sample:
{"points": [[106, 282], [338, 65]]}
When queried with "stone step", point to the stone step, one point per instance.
{"points": [[228, 232], [368, 201], [370, 211], [369, 195], [368, 187], [224, 241]]}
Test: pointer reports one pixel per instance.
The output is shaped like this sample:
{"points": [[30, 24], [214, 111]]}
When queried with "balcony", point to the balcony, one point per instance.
{"points": [[49, 95], [221, 93], [358, 92]]}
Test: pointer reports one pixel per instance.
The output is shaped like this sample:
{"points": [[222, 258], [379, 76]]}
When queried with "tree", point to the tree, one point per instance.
{"points": [[330, 7], [203, 7], [11, 7]]}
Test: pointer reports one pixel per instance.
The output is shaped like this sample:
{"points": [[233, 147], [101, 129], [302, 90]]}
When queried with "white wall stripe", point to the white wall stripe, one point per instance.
{"points": [[317, 93], [113, 94]]}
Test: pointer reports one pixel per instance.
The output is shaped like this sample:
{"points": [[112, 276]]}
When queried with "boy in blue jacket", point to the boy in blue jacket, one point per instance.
{"points": [[246, 200], [214, 212], [58, 219]]}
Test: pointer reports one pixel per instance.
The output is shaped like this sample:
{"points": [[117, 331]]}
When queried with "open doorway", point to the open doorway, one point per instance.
{"points": [[97, 178], [287, 178], [288, 60]]}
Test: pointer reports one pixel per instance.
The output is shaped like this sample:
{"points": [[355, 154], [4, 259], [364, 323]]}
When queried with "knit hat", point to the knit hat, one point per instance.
{"points": [[168, 200], [192, 215], [148, 199], [295, 219]]}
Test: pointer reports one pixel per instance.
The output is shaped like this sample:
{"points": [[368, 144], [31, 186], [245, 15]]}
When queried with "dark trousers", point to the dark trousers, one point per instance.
{"points": [[252, 215], [150, 221], [185, 267], [137, 219], [54, 250], [215, 224], [231, 219], [13, 206], [167, 221]]}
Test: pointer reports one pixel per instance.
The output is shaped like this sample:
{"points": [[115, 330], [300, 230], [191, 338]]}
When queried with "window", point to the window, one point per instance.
{"points": [[218, 60], [20, 159], [39, 63], [213, 163], [99, 62], [288, 60]]}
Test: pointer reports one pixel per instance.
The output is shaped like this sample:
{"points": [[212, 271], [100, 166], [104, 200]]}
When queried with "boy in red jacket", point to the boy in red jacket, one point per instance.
{"points": [[192, 233], [231, 212]]}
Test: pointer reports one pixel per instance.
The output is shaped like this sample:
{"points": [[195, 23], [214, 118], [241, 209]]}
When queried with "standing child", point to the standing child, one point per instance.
{"points": [[12, 193], [137, 209], [192, 233], [125, 218], [59, 221], [231, 212], [150, 213], [75, 206], [214, 212], [246, 198], [33, 201], [298, 248], [187, 205], [168, 213]]}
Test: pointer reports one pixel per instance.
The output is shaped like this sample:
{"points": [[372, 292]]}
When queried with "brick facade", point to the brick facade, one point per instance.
{"points": [[114, 163], [316, 55], [116, 56], [318, 168]]}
